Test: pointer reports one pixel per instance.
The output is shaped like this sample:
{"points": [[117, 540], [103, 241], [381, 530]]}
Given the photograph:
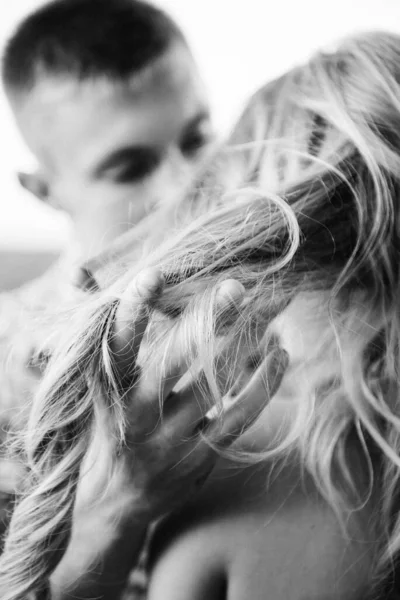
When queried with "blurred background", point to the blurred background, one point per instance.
{"points": [[239, 45]]}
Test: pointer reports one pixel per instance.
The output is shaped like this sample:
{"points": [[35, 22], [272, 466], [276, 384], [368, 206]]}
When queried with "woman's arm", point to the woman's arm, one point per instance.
{"points": [[164, 462], [103, 550]]}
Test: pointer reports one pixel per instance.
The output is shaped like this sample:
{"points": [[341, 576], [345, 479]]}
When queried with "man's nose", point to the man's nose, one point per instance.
{"points": [[179, 166], [179, 173]]}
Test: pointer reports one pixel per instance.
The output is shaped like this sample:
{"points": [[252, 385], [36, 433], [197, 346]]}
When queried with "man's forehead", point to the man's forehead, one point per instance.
{"points": [[61, 113], [175, 70]]}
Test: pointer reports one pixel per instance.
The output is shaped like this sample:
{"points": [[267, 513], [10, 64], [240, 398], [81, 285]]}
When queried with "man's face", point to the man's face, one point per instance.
{"points": [[111, 153]]}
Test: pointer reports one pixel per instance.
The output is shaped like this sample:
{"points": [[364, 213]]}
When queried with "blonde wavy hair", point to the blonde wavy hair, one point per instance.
{"points": [[304, 199]]}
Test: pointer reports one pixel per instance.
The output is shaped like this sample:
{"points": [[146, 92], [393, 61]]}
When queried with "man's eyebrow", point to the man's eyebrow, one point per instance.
{"points": [[117, 157]]}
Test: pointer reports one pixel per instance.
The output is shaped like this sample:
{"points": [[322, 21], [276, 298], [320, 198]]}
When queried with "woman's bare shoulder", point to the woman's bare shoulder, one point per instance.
{"points": [[257, 529]]}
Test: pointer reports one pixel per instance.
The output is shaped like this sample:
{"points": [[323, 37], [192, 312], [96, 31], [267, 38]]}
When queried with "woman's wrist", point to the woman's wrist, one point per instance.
{"points": [[106, 542]]}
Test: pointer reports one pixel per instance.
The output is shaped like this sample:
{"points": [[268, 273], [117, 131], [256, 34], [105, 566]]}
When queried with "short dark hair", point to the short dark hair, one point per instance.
{"points": [[87, 39]]}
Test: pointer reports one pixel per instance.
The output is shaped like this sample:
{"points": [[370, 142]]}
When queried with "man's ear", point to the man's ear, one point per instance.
{"points": [[36, 184]]}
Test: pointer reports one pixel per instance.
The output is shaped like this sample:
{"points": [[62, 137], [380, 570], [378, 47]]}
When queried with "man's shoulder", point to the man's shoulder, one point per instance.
{"points": [[26, 317], [21, 308]]}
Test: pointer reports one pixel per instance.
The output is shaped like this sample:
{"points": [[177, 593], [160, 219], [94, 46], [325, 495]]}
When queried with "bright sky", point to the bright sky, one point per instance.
{"points": [[239, 45]]}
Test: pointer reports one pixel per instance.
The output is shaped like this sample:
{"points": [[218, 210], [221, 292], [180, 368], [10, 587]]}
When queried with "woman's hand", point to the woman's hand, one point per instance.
{"points": [[166, 457]]}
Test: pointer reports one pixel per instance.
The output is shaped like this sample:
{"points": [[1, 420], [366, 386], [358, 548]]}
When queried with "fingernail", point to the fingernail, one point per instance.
{"points": [[150, 283], [253, 361], [86, 281], [230, 292]]}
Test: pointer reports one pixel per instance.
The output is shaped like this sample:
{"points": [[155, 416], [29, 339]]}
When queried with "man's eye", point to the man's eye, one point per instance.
{"points": [[195, 140], [135, 170]]}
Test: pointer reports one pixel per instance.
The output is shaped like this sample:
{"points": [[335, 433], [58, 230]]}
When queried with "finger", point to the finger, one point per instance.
{"points": [[251, 401], [183, 410], [253, 361], [132, 318], [85, 280], [202, 460], [228, 298], [191, 396]]}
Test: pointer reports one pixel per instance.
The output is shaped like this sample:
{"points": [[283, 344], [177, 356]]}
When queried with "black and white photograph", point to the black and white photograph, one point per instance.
{"points": [[199, 300]]}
